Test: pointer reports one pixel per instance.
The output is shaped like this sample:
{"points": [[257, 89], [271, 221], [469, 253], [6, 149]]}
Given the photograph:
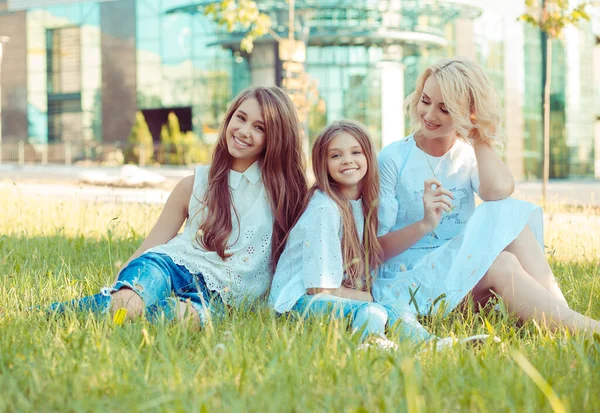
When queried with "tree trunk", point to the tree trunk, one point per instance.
{"points": [[546, 173]]}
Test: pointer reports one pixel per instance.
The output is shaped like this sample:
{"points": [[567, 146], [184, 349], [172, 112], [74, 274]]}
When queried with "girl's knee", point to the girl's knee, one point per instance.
{"points": [[371, 318], [126, 293], [371, 313], [187, 313], [126, 297], [375, 310]]}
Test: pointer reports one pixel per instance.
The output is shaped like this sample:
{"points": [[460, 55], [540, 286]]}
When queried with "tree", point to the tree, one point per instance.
{"points": [[232, 14], [140, 146], [551, 17]]}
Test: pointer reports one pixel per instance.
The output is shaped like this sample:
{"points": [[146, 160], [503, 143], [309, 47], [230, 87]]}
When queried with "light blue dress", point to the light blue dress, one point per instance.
{"points": [[444, 266], [313, 258]]}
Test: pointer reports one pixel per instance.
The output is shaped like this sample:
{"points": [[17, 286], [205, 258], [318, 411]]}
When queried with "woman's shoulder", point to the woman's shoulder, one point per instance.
{"points": [[200, 177], [462, 152], [397, 149], [202, 170]]}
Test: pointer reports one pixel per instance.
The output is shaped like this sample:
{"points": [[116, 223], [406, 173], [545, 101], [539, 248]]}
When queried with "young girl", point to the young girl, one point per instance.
{"points": [[437, 247], [237, 213], [332, 251]]}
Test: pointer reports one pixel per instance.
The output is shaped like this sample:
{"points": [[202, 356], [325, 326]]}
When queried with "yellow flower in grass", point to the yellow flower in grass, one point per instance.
{"points": [[119, 317]]}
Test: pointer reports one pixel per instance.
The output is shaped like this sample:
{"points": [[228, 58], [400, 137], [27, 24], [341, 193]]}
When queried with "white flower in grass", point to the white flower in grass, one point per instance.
{"points": [[220, 349]]}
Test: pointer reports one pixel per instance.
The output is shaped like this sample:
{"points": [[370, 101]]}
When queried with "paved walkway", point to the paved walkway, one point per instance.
{"points": [[65, 181]]}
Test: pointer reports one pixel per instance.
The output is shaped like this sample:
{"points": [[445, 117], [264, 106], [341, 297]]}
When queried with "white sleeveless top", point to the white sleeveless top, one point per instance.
{"points": [[246, 275]]}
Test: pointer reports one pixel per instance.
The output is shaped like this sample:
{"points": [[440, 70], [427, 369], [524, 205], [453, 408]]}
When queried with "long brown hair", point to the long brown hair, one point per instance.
{"points": [[360, 259], [282, 170]]}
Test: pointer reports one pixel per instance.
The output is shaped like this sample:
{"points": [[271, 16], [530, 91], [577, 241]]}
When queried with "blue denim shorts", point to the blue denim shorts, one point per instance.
{"points": [[160, 283]]}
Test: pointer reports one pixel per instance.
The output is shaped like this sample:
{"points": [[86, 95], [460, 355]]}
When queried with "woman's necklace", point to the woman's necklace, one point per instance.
{"points": [[433, 233], [426, 156]]}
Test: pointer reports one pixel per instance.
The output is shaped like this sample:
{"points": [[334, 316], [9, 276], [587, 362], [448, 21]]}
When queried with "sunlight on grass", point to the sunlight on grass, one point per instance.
{"points": [[251, 360]]}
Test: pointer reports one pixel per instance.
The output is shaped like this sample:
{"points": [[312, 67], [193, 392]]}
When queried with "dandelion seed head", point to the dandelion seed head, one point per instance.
{"points": [[220, 349]]}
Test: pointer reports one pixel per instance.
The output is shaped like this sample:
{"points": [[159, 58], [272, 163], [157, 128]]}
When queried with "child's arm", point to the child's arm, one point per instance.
{"points": [[322, 256], [343, 292], [495, 180], [170, 220], [435, 202]]}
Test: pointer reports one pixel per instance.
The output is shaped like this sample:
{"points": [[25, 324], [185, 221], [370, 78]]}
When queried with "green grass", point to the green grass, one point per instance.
{"points": [[251, 360]]}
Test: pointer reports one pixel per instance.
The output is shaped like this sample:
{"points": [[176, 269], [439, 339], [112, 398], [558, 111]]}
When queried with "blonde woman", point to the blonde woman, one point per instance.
{"points": [[437, 247]]}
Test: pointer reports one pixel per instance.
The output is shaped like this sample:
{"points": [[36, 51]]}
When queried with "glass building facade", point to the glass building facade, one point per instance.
{"points": [[78, 72]]}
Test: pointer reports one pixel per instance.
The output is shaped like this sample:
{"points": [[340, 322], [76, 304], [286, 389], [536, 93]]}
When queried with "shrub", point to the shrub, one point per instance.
{"points": [[139, 142], [179, 148]]}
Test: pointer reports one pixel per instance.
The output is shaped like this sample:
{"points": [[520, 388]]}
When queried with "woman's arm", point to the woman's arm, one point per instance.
{"points": [[343, 292], [396, 242], [495, 180], [435, 202], [170, 220]]}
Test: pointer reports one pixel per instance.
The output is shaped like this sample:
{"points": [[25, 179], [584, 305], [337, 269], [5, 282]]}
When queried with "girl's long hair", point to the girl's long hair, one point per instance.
{"points": [[469, 95], [360, 259], [282, 170]]}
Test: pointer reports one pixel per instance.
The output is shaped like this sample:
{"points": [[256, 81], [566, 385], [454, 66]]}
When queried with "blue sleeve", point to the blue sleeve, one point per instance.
{"points": [[388, 203], [322, 262]]}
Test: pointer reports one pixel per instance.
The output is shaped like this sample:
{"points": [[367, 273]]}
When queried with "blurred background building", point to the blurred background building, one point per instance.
{"points": [[77, 71]]}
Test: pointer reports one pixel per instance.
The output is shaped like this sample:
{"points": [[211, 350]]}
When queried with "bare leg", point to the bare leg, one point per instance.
{"points": [[129, 300], [188, 314], [528, 299], [531, 257]]}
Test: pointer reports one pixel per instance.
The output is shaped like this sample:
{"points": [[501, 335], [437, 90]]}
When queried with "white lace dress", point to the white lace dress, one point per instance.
{"points": [[246, 275], [445, 265]]}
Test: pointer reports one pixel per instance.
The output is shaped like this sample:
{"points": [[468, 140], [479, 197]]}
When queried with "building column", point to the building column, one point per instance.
{"points": [[13, 90], [392, 95], [465, 39], [392, 102], [263, 64], [119, 70]]}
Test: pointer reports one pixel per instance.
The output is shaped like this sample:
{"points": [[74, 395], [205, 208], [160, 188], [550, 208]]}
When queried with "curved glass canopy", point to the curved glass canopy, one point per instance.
{"points": [[356, 22]]}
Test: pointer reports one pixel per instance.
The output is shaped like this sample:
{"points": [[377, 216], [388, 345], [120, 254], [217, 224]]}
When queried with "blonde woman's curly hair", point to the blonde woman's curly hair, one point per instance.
{"points": [[469, 96]]}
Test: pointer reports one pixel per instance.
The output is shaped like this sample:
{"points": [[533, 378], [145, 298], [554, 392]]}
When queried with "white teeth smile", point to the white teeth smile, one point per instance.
{"points": [[239, 142], [349, 171], [430, 125]]}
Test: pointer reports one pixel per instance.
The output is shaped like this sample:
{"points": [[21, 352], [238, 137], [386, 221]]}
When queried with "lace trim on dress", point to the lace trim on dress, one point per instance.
{"points": [[254, 286]]}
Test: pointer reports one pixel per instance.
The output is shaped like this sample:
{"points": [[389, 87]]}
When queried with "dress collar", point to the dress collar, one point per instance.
{"points": [[252, 174]]}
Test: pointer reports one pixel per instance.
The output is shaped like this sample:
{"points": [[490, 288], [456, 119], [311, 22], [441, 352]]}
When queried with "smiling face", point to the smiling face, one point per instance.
{"points": [[346, 163], [434, 117], [245, 134]]}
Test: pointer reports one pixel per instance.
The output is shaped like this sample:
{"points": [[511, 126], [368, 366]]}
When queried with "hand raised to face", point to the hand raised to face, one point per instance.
{"points": [[436, 200]]}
